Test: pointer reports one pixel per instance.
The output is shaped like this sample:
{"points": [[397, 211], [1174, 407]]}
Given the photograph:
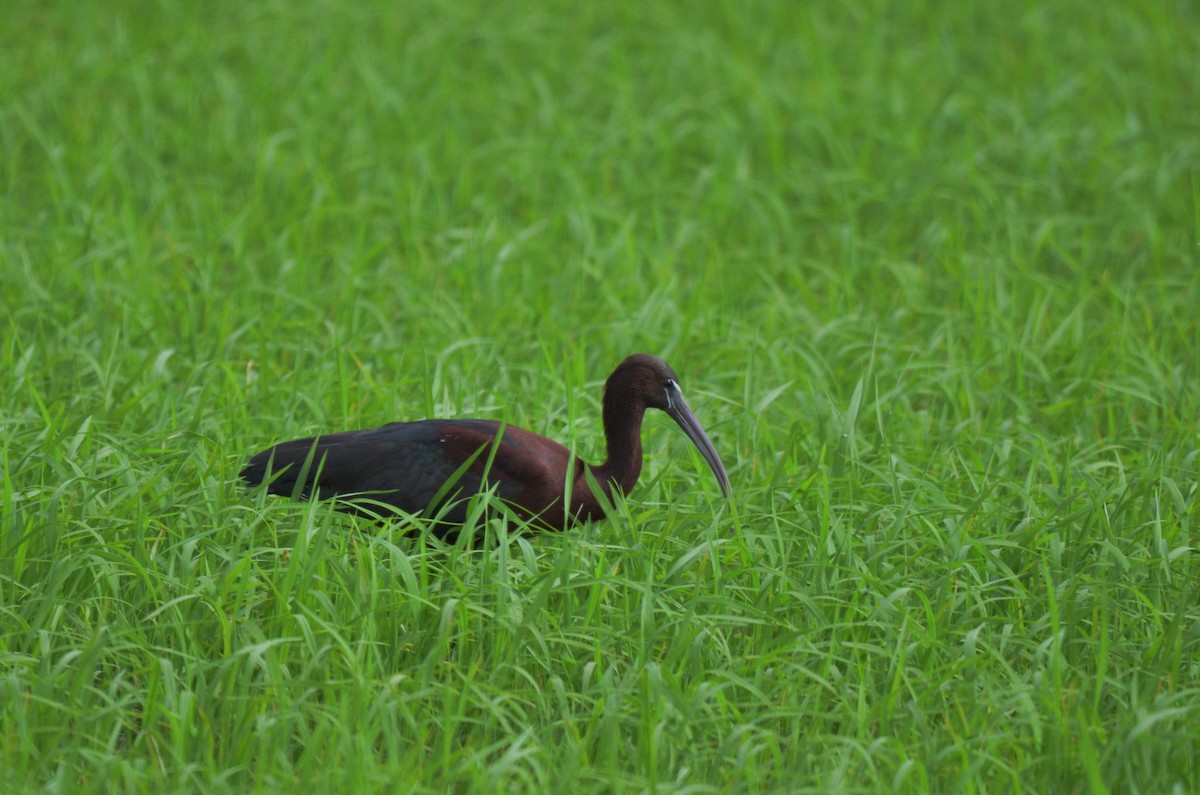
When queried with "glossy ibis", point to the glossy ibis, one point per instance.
{"points": [[412, 466]]}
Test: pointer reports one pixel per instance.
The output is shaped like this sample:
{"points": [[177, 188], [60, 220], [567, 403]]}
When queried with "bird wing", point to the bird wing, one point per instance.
{"points": [[413, 466]]}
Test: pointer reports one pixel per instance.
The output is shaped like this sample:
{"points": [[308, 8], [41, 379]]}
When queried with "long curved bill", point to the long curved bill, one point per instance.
{"points": [[679, 410]]}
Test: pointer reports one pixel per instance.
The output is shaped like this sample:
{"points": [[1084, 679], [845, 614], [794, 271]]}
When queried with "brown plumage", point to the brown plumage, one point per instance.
{"points": [[410, 466]]}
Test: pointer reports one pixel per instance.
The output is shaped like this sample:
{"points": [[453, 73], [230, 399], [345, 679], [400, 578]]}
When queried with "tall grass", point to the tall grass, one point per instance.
{"points": [[928, 274]]}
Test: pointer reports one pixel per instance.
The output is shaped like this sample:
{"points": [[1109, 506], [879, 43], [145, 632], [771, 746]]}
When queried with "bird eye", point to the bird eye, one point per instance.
{"points": [[670, 386]]}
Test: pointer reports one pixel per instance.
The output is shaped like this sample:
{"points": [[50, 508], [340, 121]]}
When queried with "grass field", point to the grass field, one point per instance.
{"points": [[929, 274]]}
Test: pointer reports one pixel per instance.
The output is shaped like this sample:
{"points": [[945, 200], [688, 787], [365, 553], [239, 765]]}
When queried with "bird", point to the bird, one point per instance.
{"points": [[431, 467]]}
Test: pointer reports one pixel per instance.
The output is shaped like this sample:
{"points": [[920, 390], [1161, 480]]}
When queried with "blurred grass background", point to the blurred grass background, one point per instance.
{"points": [[929, 277]]}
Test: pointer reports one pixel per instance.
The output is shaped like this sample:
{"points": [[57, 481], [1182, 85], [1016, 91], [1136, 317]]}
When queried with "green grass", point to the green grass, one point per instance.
{"points": [[929, 274]]}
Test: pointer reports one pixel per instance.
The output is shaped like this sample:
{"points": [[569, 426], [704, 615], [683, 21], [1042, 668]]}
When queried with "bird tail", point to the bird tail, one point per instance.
{"points": [[291, 469]]}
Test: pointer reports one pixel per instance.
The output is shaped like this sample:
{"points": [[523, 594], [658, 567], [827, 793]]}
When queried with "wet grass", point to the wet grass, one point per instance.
{"points": [[929, 277]]}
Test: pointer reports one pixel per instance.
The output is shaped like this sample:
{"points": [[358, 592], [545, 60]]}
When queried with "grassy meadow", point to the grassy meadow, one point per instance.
{"points": [[929, 273]]}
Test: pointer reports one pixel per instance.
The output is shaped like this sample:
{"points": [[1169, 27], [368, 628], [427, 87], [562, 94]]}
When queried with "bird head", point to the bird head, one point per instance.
{"points": [[650, 381]]}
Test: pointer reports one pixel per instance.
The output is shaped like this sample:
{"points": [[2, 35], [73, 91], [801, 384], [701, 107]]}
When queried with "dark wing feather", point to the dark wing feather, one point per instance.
{"points": [[404, 464]]}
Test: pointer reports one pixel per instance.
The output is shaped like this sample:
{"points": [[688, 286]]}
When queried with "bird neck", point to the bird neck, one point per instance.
{"points": [[623, 437], [623, 412]]}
